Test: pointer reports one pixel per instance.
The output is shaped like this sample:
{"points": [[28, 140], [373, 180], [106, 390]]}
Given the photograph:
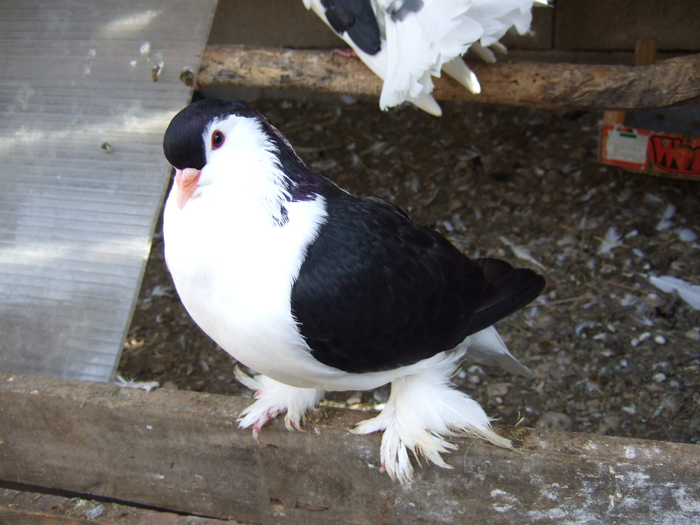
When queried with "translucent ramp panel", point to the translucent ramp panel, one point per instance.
{"points": [[86, 92]]}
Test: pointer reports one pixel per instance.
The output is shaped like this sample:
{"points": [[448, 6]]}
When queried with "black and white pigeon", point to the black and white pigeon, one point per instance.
{"points": [[407, 42], [317, 290]]}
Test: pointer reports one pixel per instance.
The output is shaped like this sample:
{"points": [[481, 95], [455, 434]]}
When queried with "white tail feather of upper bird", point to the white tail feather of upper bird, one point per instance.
{"points": [[422, 38]]}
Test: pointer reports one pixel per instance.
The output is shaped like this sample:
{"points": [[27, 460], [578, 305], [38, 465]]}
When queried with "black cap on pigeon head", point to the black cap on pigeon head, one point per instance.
{"points": [[183, 145]]}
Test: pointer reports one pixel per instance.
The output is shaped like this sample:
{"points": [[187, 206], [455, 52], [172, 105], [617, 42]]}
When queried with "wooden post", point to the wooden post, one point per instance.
{"points": [[644, 55], [183, 452], [645, 51]]}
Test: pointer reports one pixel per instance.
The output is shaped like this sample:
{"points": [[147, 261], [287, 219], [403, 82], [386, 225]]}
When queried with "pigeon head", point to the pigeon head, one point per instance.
{"points": [[227, 145], [185, 143]]}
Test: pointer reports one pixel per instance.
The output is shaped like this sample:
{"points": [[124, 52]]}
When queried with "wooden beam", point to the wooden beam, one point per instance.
{"points": [[522, 83], [183, 452], [25, 507]]}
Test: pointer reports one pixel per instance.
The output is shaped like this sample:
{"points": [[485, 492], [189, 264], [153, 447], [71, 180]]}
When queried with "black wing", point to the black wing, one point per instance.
{"points": [[507, 291], [357, 19], [377, 291]]}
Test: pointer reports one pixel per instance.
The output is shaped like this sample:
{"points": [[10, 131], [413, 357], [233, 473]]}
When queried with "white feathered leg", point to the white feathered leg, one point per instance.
{"points": [[272, 399], [421, 411]]}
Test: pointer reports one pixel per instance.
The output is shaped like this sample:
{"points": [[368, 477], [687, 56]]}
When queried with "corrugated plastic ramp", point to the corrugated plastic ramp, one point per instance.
{"points": [[87, 88]]}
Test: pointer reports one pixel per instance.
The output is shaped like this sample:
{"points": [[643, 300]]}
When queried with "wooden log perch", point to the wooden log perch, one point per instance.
{"points": [[183, 452], [522, 83]]}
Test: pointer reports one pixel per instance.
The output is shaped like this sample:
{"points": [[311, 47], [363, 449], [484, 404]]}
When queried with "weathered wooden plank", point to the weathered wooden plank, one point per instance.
{"points": [[183, 452], [24, 507], [518, 83], [11, 517]]}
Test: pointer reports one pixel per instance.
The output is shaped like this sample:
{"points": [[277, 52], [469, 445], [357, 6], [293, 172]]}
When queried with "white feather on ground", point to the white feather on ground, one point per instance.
{"points": [[690, 293], [611, 241], [521, 252], [132, 383]]}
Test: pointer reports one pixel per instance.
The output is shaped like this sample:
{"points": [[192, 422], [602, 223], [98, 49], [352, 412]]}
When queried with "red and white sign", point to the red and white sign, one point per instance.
{"points": [[648, 151]]}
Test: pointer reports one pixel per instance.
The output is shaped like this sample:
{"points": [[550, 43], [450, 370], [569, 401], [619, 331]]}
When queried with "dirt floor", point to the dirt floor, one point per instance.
{"points": [[612, 353]]}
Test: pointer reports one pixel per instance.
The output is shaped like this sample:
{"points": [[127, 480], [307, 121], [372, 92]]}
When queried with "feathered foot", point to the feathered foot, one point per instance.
{"points": [[272, 399], [421, 410]]}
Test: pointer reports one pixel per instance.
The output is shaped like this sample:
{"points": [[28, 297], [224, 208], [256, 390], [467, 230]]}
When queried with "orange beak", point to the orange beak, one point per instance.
{"points": [[186, 181]]}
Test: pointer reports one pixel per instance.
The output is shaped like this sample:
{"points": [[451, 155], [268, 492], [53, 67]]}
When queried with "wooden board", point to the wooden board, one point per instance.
{"points": [[183, 452], [25, 507], [521, 83], [606, 25]]}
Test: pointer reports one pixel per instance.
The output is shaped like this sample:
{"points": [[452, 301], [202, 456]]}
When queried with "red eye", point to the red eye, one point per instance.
{"points": [[217, 139]]}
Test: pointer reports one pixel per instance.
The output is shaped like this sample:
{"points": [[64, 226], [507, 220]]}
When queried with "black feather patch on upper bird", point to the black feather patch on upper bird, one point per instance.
{"points": [[357, 19]]}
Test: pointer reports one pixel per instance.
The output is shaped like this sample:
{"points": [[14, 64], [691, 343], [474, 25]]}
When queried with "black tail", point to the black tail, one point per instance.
{"points": [[508, 291]]}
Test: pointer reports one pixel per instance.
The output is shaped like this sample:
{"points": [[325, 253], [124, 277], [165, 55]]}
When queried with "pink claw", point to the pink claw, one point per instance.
{"points": [[295, 426], [347, 53], [257, 426]]}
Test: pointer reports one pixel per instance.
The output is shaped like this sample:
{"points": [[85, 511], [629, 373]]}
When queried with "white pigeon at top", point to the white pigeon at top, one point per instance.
{"points": [[406, 42], [317, 290]]}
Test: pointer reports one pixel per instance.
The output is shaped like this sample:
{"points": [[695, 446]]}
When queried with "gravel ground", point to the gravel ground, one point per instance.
{"points": [[612, 353]]}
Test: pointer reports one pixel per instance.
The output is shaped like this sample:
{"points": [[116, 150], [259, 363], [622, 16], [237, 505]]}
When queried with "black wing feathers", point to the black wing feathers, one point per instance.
{"points": [[357, 19], [508, 290], [377, 291]]}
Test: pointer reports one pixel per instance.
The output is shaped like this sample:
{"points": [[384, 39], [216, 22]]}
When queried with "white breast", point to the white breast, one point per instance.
{"points": [[234, 269]]}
